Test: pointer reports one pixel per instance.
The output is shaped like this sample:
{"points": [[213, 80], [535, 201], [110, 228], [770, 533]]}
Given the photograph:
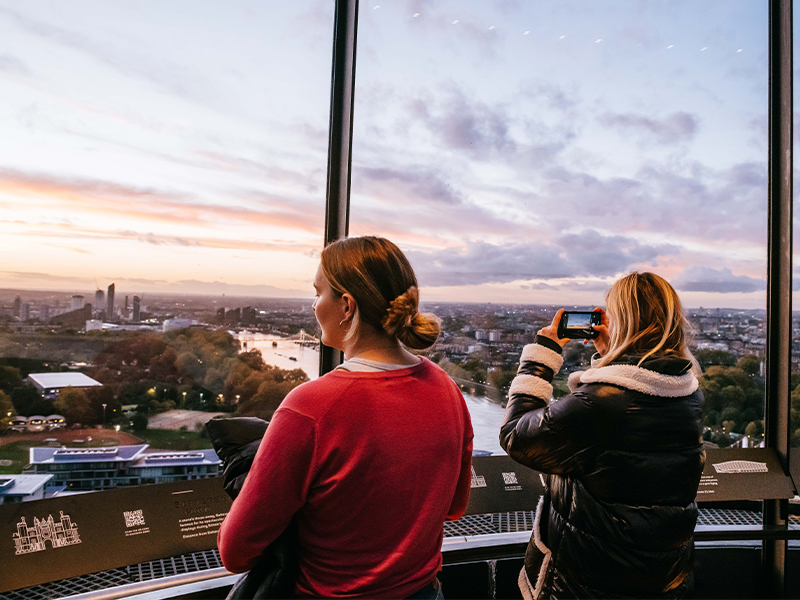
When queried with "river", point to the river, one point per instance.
{"points": [[486, 415]]}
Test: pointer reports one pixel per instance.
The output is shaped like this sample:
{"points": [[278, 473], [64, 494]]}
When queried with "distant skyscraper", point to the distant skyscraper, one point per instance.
{"points": [[99, 300], [25, 312], [44, 312], [110, 302], [17, 306], [136, 307], [126, 314], [76, 303]]}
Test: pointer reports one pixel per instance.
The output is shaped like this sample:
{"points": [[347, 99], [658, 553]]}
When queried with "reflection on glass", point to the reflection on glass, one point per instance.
{"points": [[525, 156]]}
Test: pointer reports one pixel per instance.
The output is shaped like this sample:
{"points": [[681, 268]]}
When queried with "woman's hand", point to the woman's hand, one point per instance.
{"points": [[602, 341], [551, 331]]}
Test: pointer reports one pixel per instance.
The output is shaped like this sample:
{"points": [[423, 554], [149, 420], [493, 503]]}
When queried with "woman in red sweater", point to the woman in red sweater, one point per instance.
{"points": [[371, 458]]}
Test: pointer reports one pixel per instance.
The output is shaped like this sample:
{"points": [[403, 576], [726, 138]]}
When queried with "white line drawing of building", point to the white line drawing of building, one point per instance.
{"points": [[477, 480], [34, 538], [741, 466]]}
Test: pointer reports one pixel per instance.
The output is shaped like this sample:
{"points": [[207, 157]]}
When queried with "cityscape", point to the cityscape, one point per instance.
{"points": [[479, 347]]}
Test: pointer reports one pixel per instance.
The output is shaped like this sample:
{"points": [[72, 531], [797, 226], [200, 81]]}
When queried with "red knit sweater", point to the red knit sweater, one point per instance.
{"points": [[372, 464]]}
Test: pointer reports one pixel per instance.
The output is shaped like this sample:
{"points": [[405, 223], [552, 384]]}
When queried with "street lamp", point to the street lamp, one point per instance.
{"points": [[104, 415], [184, 399], [237, 399]]}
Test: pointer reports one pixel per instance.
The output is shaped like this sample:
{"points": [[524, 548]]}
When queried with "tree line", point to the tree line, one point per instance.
{"points": [[193, 368]]}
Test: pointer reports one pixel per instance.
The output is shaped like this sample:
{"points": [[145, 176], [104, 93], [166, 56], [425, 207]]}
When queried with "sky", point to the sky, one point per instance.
{"points": [[518, 151]]}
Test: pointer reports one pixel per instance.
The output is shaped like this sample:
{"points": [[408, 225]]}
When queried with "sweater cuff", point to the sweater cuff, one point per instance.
{"points": [[542, 354], [547, 343], [531, 386]]}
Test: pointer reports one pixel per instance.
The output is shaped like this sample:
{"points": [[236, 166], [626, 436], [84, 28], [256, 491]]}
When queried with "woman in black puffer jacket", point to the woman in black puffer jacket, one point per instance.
{"points": [[623, 452]]}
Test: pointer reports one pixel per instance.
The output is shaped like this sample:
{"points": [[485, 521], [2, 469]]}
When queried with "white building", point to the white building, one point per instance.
{"points": [[83, 469], [94, 325], [49, 384], [22, 488], [171, 324]]}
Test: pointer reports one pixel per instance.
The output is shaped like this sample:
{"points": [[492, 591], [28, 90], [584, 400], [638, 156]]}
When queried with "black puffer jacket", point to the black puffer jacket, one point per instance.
{"points": [[624, 456]]}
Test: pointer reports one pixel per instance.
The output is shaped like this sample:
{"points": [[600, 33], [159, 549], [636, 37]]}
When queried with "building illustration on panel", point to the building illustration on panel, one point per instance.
{"points": [[34, 538], [741, 466], [478, 481]]}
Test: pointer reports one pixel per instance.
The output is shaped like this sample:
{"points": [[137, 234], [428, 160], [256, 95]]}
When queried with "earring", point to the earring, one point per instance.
{"points": [[340, 322]]}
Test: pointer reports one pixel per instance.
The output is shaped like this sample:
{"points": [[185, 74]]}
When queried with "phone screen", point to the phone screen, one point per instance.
{"points": [[579, 320]]}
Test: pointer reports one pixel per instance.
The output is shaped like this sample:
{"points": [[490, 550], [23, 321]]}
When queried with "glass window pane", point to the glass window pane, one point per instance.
{"points": [[527, 155], [159, 163]]}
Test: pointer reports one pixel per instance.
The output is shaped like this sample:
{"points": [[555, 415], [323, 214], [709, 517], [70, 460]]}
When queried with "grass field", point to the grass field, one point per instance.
{"points": [[17, 453], [167, 439]]}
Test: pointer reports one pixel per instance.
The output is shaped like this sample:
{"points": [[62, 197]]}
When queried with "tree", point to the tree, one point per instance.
{"points": [[10, 378], [750, 364], [76, 407], [139, 421], [707, 358], [501, 379], [23, 398], [6, 411], [754, 429]]}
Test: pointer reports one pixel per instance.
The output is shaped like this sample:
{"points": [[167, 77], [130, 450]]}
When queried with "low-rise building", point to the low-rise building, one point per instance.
{"points": [[50, 384], [103, 468], [22, 488]]}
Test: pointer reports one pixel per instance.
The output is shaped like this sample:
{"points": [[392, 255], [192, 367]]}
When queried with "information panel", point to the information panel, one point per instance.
{"points": [[47, 540], [501, 485], [743, 474]]}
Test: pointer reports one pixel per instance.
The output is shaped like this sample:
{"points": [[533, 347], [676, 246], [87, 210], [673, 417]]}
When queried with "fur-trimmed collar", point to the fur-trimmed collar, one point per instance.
{"points": [[638, 379]]}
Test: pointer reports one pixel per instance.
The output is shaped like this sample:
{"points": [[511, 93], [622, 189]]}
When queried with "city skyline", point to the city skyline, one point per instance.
{"points": [[518, 154]]}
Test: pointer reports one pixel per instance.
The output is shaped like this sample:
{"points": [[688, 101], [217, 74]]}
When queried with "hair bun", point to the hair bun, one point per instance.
{"points": [[401, 312], [404, 321]]}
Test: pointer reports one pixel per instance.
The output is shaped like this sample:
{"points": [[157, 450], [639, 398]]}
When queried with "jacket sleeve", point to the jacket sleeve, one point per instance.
{"points": [[540, 434], [276, 487]]}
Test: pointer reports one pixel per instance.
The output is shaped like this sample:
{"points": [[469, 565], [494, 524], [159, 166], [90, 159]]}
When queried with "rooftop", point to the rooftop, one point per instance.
{"points": [[41, 455], [22, 485], [134, 454], [59, 380]]}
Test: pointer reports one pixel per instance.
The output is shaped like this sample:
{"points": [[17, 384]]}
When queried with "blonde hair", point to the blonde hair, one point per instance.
{"points": [[646, 318], [378, 276]]}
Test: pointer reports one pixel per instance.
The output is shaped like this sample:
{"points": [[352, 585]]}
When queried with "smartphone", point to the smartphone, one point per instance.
{"points": [[577, 325]]}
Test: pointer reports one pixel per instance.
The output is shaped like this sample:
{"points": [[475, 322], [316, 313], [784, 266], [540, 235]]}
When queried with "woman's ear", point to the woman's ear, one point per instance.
{"points": [[349, 306]]}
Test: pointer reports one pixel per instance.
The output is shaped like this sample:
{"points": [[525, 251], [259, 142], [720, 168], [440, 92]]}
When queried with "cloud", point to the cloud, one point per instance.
{"points": [[415, 183], [604, 256], [128, 203], [33, 276], [465, 124], [168, 77], [691, 202], [313, 182], [552, 95], [722, 281], [13, 65], [86, 234], [587, 254], [674, 128]]}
